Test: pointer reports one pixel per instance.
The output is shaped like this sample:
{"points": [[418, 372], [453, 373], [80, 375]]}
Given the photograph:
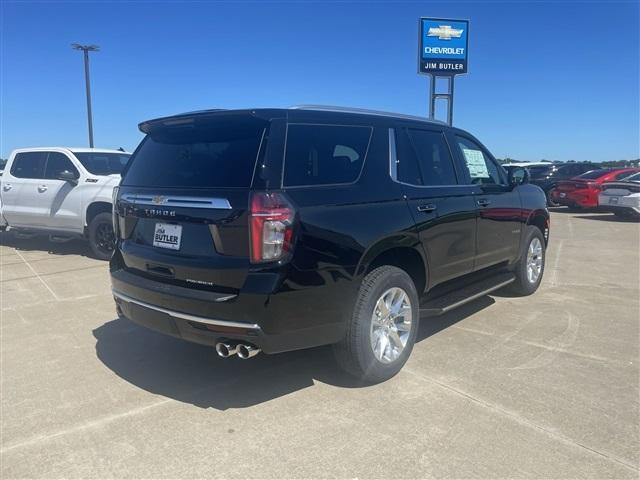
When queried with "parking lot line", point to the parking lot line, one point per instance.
{"points": [[37, 275]]}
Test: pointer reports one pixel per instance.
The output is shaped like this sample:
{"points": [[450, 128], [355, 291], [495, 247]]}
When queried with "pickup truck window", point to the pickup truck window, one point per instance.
{"points": [[29, 165], [98, 163], [56, 163]]}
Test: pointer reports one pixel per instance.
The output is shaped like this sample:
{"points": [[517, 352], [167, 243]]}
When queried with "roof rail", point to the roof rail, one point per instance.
{"points": [[364, 111]]}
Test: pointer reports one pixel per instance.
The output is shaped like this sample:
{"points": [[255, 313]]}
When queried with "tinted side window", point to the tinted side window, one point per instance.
{"points": [[407, 163], [434, 158], [56, 163], [482, 169], [324, 154], [29, 165]]}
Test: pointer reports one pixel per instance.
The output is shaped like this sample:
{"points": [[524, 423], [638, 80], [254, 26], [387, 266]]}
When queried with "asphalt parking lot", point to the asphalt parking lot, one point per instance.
{"points": [[544, 386]]}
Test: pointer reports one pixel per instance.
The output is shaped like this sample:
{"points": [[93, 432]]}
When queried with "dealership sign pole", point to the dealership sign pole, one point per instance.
{"points": [[444, 45]]}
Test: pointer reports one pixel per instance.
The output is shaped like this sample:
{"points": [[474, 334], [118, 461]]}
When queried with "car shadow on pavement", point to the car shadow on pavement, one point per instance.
{"points": [[608, 218], [194, 374], [73, 246]]}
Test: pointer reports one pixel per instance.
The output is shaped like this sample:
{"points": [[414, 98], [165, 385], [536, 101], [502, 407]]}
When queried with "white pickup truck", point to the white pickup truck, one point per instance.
{"points": [[62, 192]]}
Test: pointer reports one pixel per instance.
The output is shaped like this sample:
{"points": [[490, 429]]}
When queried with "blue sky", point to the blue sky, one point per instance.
{"points": [[554, 80]]}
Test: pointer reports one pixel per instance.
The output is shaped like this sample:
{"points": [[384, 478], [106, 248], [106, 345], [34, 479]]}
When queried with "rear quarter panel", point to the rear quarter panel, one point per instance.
{"points": [[340, 226]]}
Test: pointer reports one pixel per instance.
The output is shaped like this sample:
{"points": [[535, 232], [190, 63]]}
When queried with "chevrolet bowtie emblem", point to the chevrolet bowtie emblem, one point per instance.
{"points": [[158, 200], [444, 32]]}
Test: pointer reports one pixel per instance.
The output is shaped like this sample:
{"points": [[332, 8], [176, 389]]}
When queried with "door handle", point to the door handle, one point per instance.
{"points": [[483, 202], [429, 207], [6, 187], [42, 188]]}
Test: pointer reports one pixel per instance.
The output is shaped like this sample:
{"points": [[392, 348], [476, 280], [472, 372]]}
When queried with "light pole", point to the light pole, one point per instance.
{"points": [[86, 49]]}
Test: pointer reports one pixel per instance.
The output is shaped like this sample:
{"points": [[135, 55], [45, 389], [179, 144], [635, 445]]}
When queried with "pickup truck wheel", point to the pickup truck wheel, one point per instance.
{"points": [[383, 328], [530, 267], [101, 236]]}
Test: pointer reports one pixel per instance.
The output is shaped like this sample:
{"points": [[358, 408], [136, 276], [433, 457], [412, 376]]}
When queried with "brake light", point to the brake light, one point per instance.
{"points": [[271, 225]]}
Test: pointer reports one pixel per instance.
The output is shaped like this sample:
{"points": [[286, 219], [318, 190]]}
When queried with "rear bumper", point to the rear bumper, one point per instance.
{"points": [[579, 198], [267, 314], [627, 202]]}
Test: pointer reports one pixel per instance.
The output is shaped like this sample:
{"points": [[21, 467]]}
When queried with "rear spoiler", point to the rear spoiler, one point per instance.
{"points": [[184, 119]]}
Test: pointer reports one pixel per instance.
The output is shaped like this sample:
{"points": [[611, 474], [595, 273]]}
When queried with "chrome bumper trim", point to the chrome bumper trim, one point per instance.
{"points": [[186, 316]]}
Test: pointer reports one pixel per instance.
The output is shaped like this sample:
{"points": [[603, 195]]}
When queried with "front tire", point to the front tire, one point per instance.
{"points": [[530, 267], [383, 327], [101, 236]]}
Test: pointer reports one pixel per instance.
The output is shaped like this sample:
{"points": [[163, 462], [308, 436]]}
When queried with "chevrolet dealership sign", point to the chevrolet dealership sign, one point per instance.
{"points": [[443, 46]]}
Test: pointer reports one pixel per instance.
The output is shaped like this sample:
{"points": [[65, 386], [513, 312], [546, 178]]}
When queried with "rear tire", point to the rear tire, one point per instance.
{"points": [[530, 267], [101, 236], [383, 327]]}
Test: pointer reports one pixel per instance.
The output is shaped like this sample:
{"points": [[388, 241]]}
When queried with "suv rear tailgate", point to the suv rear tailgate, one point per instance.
{"points": [[183, 201], [213, 244]]}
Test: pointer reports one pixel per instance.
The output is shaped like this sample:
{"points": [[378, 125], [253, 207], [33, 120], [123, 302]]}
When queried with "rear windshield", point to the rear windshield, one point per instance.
{"points": [[593, 174], [203, 154], [98, 163], [633, 178]]}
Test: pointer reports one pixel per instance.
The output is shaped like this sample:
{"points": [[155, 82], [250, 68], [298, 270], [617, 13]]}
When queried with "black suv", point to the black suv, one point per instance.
{"points": [[282, 229], [548, 176]]}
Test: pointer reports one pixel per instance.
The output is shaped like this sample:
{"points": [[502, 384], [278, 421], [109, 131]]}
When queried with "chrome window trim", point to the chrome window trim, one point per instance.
{"points": [[177, 201], [187, 316]]}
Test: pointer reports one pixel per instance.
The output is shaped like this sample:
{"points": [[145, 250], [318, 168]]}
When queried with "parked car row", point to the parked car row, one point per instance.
{"points": [[586, 185], [622, 197], [548, 177]]}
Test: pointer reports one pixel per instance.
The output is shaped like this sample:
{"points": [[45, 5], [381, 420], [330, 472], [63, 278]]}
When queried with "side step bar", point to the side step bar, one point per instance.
{"points": [[445, 303]]}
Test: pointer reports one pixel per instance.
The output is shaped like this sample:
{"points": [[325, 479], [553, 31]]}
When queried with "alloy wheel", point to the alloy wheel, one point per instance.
{"points": [[534, 260], [391, 325]]}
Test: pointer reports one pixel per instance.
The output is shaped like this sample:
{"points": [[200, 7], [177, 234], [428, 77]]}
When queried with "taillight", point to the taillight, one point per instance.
{"points": [[271, 225], [114, 210]]}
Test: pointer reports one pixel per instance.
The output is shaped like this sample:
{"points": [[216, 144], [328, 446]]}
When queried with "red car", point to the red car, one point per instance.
{"points": [[582, 191]]}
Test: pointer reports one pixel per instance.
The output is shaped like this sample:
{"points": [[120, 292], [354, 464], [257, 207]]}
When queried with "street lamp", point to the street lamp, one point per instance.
{"points": [[86, 49]]}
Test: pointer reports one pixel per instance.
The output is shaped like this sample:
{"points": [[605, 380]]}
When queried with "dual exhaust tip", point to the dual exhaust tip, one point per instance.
{"points": [[243, 350]]}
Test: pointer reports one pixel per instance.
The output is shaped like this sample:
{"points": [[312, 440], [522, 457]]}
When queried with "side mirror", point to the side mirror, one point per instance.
{"points": [[518, 176], [67, 176]]}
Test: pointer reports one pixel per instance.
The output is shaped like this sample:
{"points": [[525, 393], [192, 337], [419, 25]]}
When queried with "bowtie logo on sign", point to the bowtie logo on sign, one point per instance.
{"points": [[444, 32]]}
